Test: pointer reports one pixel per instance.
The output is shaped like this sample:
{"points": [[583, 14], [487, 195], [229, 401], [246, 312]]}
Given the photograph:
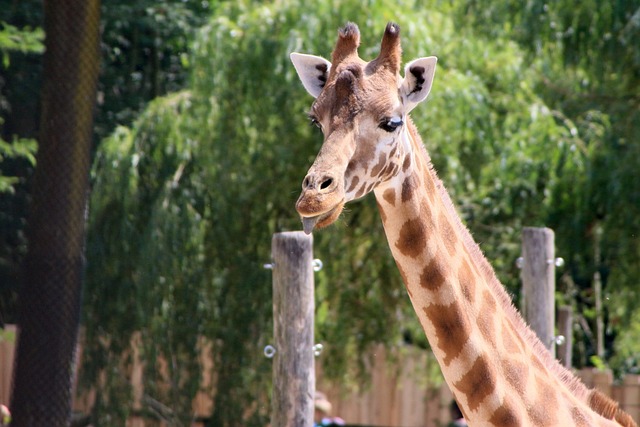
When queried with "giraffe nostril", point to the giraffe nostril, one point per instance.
{"points": [[326, 183]]}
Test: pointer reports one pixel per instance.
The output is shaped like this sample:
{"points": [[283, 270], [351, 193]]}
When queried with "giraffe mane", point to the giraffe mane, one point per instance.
{"points": [[609, 408]]}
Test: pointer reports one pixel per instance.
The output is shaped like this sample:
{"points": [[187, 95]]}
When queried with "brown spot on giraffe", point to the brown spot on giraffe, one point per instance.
{"points": [[406, 163], [516, 373], [408, 187], [370, 187], [509, 342], [361, 159], [486, 317], [412, 239], [478, 383], [389, 196], [543, 412], [432, 276], [361, 191], [538, 366], [467, 282], [579, 417], [389, 171], [486, 323], [354, 184], [519, 342], [382, 161], [350, 168], [452, 328], [489, 300], [506, 416], [449, 237]]}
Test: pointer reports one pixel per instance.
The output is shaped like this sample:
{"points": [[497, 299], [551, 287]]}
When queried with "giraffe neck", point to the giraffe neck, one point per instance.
{"points": [[498, 370]]}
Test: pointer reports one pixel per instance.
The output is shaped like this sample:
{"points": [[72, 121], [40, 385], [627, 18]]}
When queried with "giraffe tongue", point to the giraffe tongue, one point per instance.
{"points": [[309, 223]]}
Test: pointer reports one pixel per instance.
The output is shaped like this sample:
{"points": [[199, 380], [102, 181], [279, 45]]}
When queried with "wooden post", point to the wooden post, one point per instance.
{"points": [[565, 328], [293, 311], [597, 292], [539, 284]]}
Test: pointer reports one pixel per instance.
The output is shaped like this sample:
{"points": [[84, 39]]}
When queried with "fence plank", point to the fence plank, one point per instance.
{"points": [[358, 408]]}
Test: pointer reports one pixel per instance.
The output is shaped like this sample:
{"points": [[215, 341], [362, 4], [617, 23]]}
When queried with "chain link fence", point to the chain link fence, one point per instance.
{"points": [[49, 300]]}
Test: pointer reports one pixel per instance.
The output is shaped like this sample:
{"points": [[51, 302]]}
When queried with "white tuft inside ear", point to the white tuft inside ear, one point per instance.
{"points": [[312, 70], [418, 77]]}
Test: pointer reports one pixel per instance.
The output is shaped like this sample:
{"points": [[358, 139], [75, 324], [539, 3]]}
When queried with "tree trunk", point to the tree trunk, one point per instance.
{"points": [[49, 301]]}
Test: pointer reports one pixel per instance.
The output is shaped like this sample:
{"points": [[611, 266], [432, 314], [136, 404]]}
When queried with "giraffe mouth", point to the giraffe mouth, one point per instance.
{"points": [[323, 220]]}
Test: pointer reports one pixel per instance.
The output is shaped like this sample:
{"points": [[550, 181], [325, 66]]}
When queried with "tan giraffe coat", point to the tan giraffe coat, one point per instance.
{"points": [[499, 372]]}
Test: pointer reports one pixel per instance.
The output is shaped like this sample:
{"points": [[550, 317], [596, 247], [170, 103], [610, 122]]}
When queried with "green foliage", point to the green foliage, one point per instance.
{"points": [[17, 160], [18, 149], [26, 40], [145, 47], [589, 75], [626, 357], [598, 363]]}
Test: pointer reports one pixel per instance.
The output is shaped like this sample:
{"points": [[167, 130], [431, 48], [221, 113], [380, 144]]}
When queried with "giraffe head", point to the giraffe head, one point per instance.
{"points": [[362, 109]]}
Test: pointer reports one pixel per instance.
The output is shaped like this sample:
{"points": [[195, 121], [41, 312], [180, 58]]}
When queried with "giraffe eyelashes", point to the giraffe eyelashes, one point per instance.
{"points": [[391, 124], [314, 121]]}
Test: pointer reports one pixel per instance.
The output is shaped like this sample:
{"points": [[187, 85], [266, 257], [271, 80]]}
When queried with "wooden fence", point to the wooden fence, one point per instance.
{"points": [[396, 396]]}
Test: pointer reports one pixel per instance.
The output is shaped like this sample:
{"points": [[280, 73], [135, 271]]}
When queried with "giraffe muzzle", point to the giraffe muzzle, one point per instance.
{"points": [[320, 202], [309, 223]]}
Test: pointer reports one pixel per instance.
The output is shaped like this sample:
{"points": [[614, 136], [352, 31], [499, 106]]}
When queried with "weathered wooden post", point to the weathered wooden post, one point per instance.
{"points": [[565, 329], [539, 283], [293, 310]]}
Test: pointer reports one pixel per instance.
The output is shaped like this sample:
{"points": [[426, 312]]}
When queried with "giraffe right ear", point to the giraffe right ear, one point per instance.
{"points": [[418, 77], [312, 70]]}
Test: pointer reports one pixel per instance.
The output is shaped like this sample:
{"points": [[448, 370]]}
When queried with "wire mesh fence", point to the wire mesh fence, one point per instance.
{"points": [[49, 300]]}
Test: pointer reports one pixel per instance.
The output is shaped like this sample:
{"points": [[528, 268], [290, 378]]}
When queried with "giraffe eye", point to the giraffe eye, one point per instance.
{"points": [[314, 121], [391, 124]]}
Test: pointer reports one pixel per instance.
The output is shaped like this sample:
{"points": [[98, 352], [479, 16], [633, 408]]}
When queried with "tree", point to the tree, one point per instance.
{"points": [[588, 73], [17, 159], [143, 48]]}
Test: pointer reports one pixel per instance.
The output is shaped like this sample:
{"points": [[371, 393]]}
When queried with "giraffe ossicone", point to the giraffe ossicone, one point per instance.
{"points": [[499, 372]]}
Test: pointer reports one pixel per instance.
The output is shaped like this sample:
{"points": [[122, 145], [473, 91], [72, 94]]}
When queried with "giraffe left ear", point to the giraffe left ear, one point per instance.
{"points": [[418, 77], [312, 70]]}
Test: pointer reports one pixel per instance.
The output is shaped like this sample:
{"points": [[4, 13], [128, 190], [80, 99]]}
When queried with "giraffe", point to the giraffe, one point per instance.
{"points": [[497, 369]]}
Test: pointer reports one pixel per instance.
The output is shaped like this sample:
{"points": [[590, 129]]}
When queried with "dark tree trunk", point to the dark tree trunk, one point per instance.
{"points": [[49, 301]]}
